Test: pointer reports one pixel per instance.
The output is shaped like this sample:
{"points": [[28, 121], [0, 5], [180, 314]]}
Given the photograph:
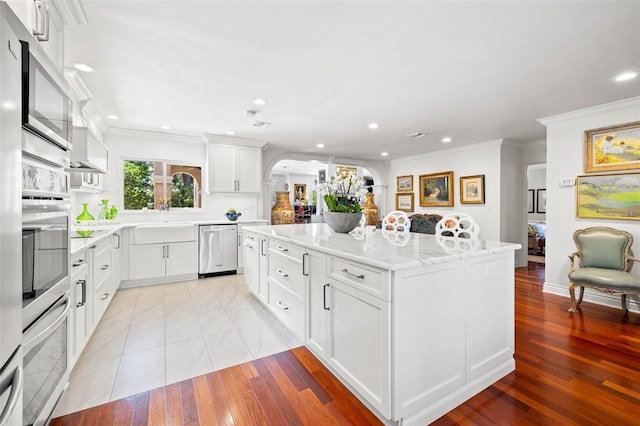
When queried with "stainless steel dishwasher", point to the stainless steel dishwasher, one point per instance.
{"points": [[217, 250]]}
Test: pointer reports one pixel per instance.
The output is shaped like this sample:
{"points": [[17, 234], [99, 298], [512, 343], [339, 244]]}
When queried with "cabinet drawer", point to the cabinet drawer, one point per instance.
{"points": [[101, 299], [102, 263], [286, 250], [288, 274], [78, 259], [367, 278], [287, 307]]}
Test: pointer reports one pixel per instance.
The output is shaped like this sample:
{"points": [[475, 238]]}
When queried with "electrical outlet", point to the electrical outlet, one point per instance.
{"points": [[567, 182]]}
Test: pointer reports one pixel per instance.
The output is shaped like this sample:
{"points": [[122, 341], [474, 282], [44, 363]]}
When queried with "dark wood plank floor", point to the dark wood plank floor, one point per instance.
{"points": [[570, 370]]}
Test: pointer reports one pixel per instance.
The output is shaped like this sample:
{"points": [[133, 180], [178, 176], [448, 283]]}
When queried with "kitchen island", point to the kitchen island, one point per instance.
{"points": [[414, 326]]}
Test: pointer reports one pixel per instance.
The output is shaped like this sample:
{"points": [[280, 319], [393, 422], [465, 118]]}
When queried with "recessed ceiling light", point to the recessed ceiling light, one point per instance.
{"points": [[373, 125], [83, 67], [260, 101], [166, 127], [626, 76], [446, 140], [315, 161], [261, 124], [320, 145], [384, 154], [231, 133], [112, 117]]}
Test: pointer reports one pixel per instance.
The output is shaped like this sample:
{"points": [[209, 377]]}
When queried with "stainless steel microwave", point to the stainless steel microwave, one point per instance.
{"points": [[46, 107]]}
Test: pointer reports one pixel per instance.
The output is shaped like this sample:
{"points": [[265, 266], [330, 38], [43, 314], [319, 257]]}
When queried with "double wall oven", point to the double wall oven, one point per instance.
{"points": [[45, 236]]}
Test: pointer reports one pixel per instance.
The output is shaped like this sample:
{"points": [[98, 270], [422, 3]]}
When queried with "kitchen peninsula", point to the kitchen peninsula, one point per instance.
{"points": [[412, 326]]}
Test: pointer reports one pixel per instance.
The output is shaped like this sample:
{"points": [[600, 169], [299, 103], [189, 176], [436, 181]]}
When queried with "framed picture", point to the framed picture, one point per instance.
{"points": [[404, 183], [541, 200], [436, 190], [472, 189], [322, 176], [300, 192], [614, 196], [404, 202], [531, 197], [612, 148], [344, 170]]}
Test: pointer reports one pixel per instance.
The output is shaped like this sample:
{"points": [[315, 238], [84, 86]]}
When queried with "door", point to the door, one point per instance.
{"points": [[222, 168], [147, 261], [248, 169], [182, 258], [317, 301]]}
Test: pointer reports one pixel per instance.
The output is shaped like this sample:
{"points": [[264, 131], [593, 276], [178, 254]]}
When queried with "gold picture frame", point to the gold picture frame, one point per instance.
{"points": [[436, 190], [300, 192], [404, 183], [612, 148], [344, 171], [472, 189], [404, 201]]}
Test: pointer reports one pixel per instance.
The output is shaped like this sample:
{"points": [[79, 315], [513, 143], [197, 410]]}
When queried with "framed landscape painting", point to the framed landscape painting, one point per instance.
{"points": [[404, 183], [404, 202], [472, 189], [608, 196], [436, 190], [612, 148]]}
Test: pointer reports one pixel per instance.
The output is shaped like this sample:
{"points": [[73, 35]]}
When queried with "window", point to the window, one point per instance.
{"points": [[158, 185]]}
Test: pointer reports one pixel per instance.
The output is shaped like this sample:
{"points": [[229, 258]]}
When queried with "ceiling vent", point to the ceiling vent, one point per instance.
{"points": [[261, 124], [251, 112], [416, 135]]}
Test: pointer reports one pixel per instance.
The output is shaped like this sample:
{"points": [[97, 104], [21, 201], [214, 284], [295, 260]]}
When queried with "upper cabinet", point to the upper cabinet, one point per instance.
{"points": [[235, 167], [44, 20], [88, 154]]}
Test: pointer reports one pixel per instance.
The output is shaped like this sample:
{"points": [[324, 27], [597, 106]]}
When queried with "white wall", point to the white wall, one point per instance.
{"points": [[161, 146], [482, 158], [565, 159]]}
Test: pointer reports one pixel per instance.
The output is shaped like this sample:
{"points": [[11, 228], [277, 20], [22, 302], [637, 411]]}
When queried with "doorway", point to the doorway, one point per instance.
{"points": [[536, 212]]}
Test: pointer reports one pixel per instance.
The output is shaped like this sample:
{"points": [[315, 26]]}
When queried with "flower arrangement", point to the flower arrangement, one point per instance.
{"points": [[344, 193]]}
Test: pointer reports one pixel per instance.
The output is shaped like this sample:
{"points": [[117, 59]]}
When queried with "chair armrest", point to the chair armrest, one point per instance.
{"points": [[571, 257], [632, 258]]}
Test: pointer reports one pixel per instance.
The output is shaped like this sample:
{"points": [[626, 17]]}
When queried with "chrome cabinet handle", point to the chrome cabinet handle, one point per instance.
{"points": [[283, 306], [167, 251], [358, 276], [78, 263], [14, 395], [284, 250], [45, 21], [262, 244], [304, 264], [324, 297], [105, 296], [282, 274], [118, 237], [104, 267], [83, 283]]}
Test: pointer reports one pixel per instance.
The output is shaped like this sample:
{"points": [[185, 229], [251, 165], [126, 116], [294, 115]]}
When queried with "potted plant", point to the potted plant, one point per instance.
{"points": [[343, 195]]}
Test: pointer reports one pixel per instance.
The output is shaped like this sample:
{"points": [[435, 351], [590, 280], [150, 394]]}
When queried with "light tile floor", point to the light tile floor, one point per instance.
{"points": [[157, 335]]}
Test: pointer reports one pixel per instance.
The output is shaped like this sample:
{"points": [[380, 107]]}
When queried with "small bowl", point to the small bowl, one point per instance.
{"points": [[233, 216]]}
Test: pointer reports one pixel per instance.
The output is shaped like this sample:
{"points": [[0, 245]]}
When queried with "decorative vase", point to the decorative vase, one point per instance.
{"points": [[282, 211], [370, 209], [84, 215], [342, 222], [104, 213]]}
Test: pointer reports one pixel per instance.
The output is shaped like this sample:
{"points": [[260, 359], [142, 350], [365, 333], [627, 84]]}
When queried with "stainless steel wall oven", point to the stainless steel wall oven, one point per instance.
{"points": [[45, 275]]}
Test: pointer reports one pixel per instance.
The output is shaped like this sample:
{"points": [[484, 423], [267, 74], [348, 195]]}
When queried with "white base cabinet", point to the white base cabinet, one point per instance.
{"points": [[149, 261], [411, 343], [256, 265]]}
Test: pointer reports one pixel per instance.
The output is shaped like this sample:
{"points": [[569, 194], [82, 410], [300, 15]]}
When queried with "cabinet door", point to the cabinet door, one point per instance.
{"points": [[181, 258], [79, 323], [249, 169], [252, 262], [317, 304], [222, 168], [240, 250], [264, 270], [359, 343], [116, 243], [146, 261]]}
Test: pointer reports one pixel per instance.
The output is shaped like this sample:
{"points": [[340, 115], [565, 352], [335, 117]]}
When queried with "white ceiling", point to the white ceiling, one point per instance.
{"points": [[475, 71]]}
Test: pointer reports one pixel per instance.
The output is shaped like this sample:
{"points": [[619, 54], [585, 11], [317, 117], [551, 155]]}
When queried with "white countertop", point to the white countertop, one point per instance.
{"points": [[384, 250]]}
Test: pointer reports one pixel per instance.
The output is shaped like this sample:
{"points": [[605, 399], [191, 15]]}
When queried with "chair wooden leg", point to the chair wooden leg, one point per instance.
{"points": [[624, 304], [581, 295], [572, 293]]}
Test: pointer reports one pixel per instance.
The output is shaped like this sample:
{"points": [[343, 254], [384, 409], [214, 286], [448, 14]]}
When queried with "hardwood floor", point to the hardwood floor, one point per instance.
{"points": [[580, 369]]}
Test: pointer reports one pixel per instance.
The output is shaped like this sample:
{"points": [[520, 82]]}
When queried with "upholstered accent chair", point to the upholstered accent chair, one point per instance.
{"points": [[605, 259], [424, 223]]}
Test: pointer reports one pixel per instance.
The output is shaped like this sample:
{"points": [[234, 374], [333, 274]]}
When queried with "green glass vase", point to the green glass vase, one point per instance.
{"points": [[85, 215]]}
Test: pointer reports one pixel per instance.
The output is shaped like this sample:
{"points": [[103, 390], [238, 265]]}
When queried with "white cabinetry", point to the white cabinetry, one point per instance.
{"points": [[163, 253], [234, 168], [79, 318], [102, 277], [241, 243], [256, 261]]}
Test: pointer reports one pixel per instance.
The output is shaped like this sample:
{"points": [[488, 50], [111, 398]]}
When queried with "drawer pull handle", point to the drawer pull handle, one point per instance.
{"points": [[324, 297], [105, 296], [282, 274], [304, 264], [78, 263], [358, 276], [283, 306], [104, 267], [284, 250]]}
